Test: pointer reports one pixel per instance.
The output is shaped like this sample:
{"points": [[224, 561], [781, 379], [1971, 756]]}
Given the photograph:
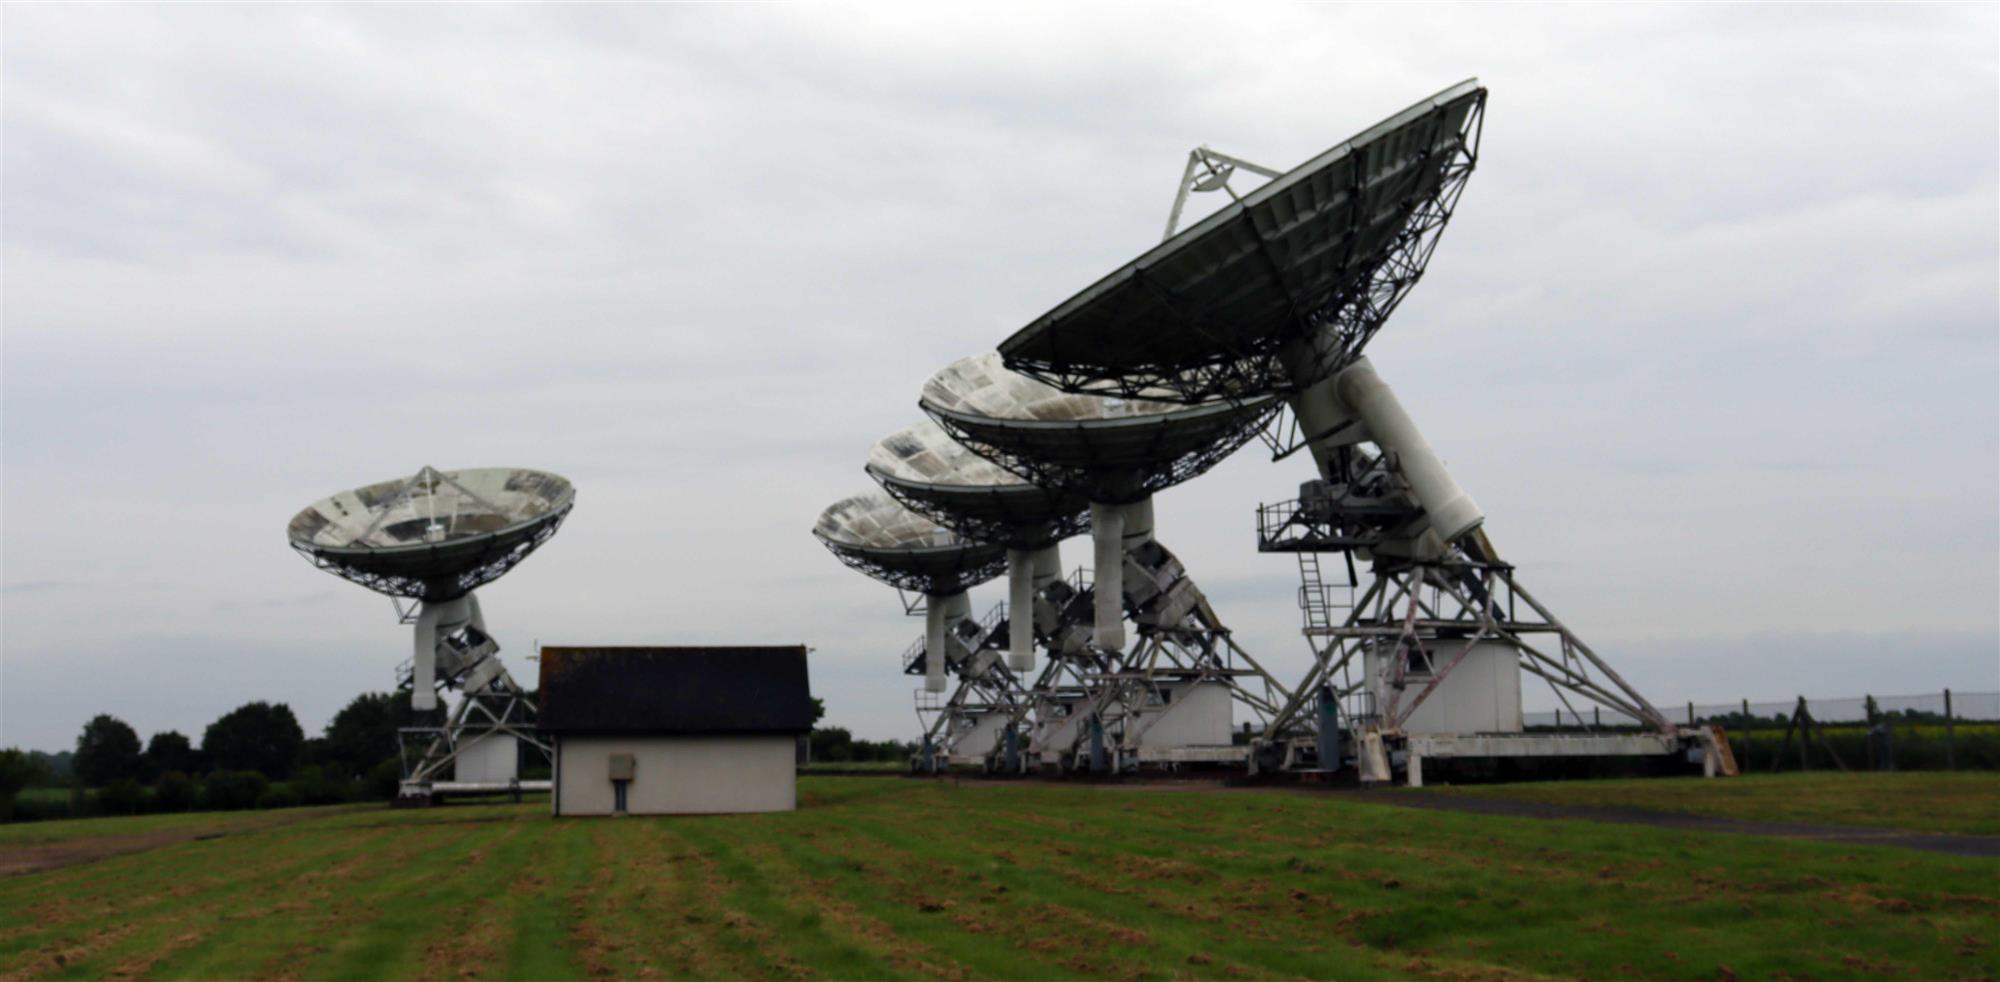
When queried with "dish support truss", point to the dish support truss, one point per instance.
{"points": [[1113, 711], [977, 723], [483, 733], [1428, 617], [1328, 330]]}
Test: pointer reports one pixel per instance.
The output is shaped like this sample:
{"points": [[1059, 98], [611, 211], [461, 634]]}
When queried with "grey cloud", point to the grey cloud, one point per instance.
{"points": [[1712, 338]]}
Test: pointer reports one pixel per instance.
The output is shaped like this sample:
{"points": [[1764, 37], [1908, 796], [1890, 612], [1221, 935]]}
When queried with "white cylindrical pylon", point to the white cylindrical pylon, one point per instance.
{"points": [[1020, 609], [434, 622], [1048, 565], [934, 631], [1107, 536], [1138, 528], [1325, 422], [1451, 511]]}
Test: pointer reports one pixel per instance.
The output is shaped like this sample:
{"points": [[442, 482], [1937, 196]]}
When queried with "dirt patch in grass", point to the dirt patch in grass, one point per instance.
{"points": [[34, 857]]}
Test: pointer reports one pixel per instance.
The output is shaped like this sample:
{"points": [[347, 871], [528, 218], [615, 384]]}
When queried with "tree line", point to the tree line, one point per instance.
{"points": [[257, 756], [254, 756]]}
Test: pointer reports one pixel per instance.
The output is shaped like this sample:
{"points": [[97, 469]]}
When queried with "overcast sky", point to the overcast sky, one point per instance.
{"points": [[1712, 338]]}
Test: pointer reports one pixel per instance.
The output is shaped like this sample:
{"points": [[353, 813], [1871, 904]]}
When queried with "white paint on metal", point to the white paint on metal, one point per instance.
{"points": [[1543, 744], [874, 520], [937, 622], [983, 386], [926, 454], [1138, 523], [432, 506], [1372, 759], [1107, 537], [1048, 565], [435, 621], [1451, 510], [1020, 610]]}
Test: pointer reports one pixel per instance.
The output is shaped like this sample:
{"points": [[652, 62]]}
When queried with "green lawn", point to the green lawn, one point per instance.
{"points": [[896, 878], [1926, 801]]}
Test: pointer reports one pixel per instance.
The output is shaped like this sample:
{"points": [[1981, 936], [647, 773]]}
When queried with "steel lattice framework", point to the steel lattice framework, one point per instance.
{"points": [[1164, 451], [932, 572], [496, 556], [1018, 517], [1253, 300]]}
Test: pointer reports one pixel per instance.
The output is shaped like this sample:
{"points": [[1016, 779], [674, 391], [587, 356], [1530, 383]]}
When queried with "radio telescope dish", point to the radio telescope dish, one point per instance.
{"points": [[928, 471], [925, 469], [1116, 452], [434, 536], [1279, 289], [1110, 450], [874, 533]]}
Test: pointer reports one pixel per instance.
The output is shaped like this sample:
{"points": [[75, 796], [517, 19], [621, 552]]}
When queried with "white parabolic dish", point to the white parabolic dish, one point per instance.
{"points": [[1104, 447], [435, 535], [876, 534], [936, 475]]}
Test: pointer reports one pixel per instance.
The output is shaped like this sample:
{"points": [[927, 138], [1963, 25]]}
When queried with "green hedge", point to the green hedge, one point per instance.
{"points": [[1916, 747]]}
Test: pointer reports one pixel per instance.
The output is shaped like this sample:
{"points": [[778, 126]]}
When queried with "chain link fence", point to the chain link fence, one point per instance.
{"points": [[1939, 730]]}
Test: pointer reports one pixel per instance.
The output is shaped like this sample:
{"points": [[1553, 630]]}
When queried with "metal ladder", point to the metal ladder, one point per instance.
{"points": [[1314, 603]]}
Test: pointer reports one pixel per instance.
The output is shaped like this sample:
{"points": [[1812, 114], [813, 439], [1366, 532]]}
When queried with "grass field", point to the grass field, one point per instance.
{"points": [[1922, 801], [895, 878]]}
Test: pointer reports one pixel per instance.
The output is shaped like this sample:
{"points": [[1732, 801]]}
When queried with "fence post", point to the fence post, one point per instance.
{"points": [[1690, 712], [1869, 736], [1749, 728], [1950, 764], [1597, 716], [1559, 718]]}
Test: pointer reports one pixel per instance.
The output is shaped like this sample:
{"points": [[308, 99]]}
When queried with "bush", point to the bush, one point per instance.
{"points": [[18, 770], [1915, 747], [320, 786], [175, 792], [42, 809], [384, 780], [279, 797], [122, 797], [233, 790]]}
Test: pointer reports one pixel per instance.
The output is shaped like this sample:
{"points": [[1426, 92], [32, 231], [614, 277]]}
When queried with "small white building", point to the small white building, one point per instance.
{"points": [[673, 731], [1481, 694]]}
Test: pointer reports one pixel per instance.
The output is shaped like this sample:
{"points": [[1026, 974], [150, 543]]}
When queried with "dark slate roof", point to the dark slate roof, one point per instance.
{"points": [[674, 690]]}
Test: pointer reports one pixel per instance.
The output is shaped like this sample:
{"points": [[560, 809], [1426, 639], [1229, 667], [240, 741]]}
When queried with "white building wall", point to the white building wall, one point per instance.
{"points": [[983, 737], [491, 759], [1196, 714], [1481, 695], [1055, 735], [679, 775]]}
